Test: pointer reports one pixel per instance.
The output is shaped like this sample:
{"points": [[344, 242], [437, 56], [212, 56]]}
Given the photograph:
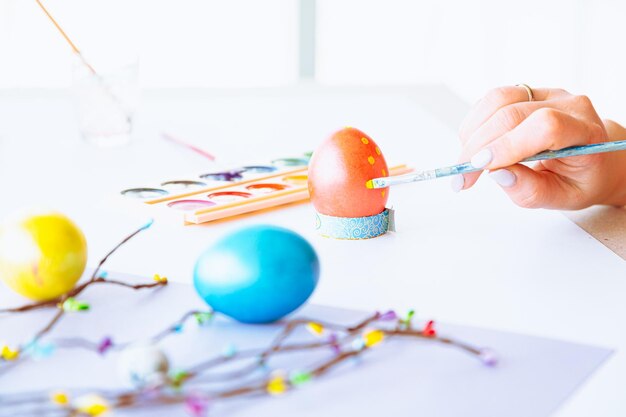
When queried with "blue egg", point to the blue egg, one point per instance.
{"points": [[258, 274]]}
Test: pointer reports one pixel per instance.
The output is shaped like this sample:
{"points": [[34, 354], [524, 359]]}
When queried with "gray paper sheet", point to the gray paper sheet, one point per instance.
{"points": [[401, 377]]}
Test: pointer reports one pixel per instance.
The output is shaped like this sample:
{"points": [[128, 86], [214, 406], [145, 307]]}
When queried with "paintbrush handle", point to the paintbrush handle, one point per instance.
{"points": [[467, 167]]}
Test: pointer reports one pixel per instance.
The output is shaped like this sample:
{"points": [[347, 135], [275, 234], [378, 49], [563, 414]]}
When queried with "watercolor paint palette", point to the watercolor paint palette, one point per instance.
{"points": [[227, 193]]}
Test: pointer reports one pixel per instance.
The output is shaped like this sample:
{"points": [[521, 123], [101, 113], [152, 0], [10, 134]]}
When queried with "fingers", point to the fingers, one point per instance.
{"points": [[537, 189], [505, 128], [509, 117], [495, 100], [499, 111], [545, 128], [502, 121]]}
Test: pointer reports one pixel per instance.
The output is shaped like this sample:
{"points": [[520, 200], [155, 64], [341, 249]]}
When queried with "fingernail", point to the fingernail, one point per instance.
{"points": [[482, 158], [503, 177], [457, 183]]}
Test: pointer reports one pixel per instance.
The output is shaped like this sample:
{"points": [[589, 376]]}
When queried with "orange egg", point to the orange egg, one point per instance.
{"points": [[339, 170]]}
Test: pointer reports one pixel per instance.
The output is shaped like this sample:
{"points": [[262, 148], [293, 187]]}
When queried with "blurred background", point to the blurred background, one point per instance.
{"points": [[470, 46]]}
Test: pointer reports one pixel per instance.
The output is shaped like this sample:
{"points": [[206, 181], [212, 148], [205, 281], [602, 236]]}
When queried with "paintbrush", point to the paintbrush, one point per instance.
{"points": [[467, 167], [188, 145], [67, 38], [90, 67]]}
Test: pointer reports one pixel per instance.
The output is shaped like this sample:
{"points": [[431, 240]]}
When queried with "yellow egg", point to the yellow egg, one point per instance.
{"points": [[42, 255]]}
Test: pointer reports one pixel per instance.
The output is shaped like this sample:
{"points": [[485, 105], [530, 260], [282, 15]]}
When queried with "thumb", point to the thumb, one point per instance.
{"points": [[531, 188]]}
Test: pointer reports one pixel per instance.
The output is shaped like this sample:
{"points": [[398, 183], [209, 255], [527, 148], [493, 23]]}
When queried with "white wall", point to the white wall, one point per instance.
{"points": [[469, 45], [180, 43], [475, 45]]}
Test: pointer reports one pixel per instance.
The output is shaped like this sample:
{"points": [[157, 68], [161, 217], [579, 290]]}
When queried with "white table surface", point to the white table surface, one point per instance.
{"points": [[470, 258]]}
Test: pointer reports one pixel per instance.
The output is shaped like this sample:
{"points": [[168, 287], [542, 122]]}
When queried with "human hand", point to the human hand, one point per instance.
{"points": [[504, 128]]}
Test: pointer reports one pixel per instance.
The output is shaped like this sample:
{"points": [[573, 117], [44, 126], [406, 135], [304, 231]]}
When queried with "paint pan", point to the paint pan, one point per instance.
{"points": [[290, 162], [263, 188], [190, 205], [223, 176], [228, 196], [144, 193], [181, 185], [296, 179], [258, 169]]}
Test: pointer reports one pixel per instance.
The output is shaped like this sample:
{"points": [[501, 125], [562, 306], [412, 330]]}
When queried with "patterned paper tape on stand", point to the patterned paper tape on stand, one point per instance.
{"points": [[353, 228]]}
